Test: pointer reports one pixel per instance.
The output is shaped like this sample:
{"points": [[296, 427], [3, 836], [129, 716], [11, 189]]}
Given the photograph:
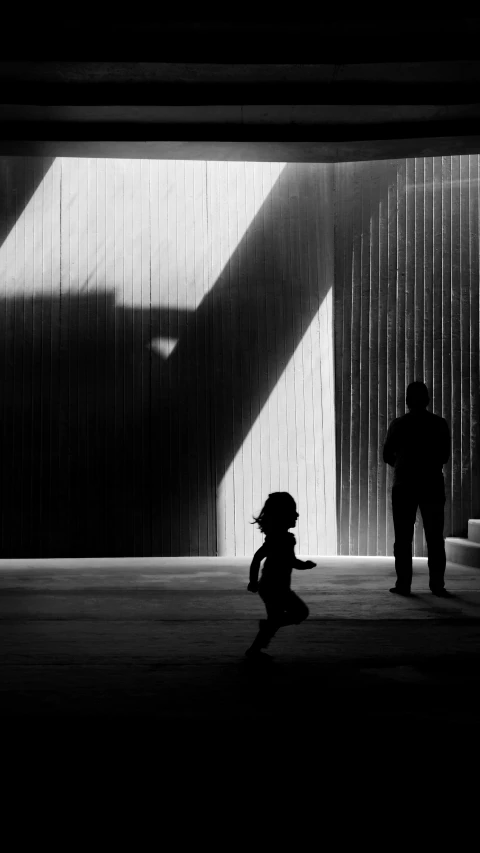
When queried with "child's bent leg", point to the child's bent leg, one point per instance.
{"points": [[296, 610], [275, 619]]}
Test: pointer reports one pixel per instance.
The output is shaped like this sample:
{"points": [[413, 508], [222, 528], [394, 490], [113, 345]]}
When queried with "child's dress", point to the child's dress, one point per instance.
{"points": [[279, 550]]}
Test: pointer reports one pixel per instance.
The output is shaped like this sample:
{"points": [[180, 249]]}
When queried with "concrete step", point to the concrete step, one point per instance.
{"points": [[474, 530], [462, 551]]}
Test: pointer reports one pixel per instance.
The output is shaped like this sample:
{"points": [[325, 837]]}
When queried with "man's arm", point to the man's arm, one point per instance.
{"points": [[445, 442], [389, 446], [255, 568]]}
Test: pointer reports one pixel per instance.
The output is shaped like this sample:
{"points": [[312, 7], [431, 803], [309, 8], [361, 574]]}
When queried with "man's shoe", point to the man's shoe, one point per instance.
{"points": [[399, 591], [442, 593]]}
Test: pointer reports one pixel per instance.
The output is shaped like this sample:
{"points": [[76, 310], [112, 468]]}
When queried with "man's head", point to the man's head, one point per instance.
{"points": [[417, 396]]}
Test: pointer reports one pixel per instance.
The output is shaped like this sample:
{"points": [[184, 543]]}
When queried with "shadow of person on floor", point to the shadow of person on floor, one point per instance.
{"points": [[283, 606], [462, 599], [417, 446]]}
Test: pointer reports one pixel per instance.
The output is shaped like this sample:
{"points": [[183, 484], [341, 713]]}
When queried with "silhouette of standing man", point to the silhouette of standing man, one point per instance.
{"points": [[418, 446]]}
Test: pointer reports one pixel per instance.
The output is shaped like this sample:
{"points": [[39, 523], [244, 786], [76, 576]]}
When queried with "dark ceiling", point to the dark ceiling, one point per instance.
{"points": [[336, 89]]}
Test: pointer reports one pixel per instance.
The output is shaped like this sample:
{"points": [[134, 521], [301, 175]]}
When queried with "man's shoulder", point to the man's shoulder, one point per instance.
{"points": [[436, 419], [412, 418], [398, 421]]}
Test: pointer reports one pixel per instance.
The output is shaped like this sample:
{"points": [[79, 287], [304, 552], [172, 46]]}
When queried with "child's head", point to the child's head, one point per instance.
{"points": [[279, 512]]}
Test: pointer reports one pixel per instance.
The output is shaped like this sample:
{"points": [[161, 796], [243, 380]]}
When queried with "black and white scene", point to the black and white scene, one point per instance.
{"points": [[240, 411]]}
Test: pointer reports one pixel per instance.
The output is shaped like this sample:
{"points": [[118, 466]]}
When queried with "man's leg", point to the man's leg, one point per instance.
{"points": [[404, 510], [433, 520]]}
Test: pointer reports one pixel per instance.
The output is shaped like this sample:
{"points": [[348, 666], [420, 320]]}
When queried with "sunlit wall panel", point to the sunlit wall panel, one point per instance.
{"points": [[406, 308], [149, 309], [290, 396]]}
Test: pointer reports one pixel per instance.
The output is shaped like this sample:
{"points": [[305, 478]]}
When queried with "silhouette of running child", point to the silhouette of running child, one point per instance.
{"points": [[283, 607]]}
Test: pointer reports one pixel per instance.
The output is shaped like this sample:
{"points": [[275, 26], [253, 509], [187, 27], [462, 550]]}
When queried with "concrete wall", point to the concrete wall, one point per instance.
{"points": [[406, 308], [166, 355]]}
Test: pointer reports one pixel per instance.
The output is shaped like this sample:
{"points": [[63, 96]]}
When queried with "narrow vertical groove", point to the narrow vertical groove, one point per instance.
{"points": [[354, 333], [316, 533], [383, 191], [418, 272], [338, 293], [364, 372], [3, 338], [392, 367], [372, 174], [456, 348], [39, 496], [474, 335], [465, 320], [346, 396], [447, 323]]}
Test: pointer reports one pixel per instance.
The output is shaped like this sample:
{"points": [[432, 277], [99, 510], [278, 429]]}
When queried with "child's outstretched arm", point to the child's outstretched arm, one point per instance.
{"points": [[255, 568], [303, 564]]}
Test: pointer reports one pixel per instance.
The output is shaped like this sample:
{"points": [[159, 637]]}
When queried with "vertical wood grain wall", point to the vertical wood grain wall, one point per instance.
{"points": [[406, 308], [166, 354]]}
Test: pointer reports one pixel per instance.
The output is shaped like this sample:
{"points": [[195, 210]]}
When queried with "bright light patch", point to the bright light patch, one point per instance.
{"points": [[163, 346], [272, 457], [154, 232]]}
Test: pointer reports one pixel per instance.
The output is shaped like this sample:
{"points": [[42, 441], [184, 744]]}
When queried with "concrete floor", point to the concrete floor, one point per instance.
{"points": [[162, 641]]}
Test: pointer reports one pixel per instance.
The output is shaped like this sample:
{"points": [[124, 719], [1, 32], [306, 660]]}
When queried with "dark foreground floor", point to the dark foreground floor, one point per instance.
{"points": [[159, 644], [126, 681]]}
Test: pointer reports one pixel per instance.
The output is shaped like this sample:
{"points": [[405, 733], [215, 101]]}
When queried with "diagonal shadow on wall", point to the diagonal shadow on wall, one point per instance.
{"points": [[20, 177], [108, 450]]}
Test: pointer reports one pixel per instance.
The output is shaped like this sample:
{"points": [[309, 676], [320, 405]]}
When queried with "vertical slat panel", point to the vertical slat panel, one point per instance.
{"points": [[117, 503], [474, 335], [401, 223], [428, 318], [255, 319], [391, 334], [354, 371], [4, 309], [125, 366], [274, 368], [456, 392], [52, 298], [325, 473], [271, 225], [31, 378], [84, 291], [424, 324], [20, 355], [339, 295], [419, 290], [313, 519], [437, 390], [8, 269], [298, 271], [372, 174], [239, 285], [60, 353], [465, 325], [346, 252], [72, 288], [382, 349], [363, 424], [447, 322]]}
